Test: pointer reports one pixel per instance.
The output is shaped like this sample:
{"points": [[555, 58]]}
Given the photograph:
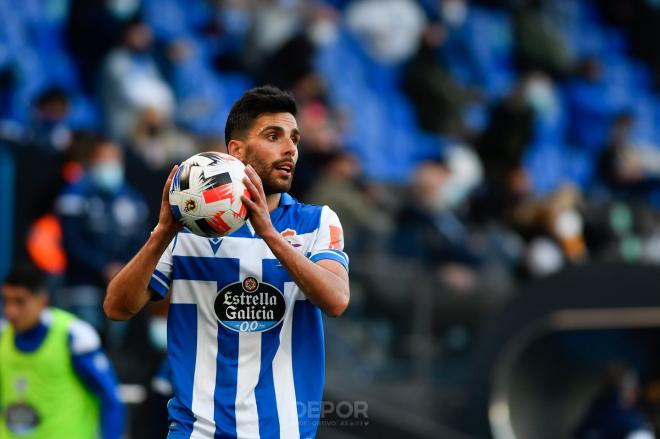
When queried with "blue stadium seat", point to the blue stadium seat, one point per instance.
{"points": [[85, 113], [166, 17]]}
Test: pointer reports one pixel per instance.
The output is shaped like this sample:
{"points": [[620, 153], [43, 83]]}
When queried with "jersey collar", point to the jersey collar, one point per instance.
{"points": [[286, 200]]}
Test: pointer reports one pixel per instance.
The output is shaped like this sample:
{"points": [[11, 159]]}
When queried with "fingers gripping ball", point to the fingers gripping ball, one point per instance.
{"points": [[205, 194]]}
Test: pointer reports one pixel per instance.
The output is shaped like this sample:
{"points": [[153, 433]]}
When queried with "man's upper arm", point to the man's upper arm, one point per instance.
{"points": [[328, 244], [335, 268], [161, 278]]}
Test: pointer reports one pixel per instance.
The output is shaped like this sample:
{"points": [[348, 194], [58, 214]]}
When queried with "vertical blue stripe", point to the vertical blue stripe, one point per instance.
{"points": [[269, 422], [224, 271], [225, 384], [182, 343], [308, 354]]}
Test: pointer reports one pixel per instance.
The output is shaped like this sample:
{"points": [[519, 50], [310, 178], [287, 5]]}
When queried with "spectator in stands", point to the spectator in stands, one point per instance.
{"points": [[290, 63], [158, 141], [103, 223], [512, 129], [590, 114], [456, 52], [273, 22], [322, 125], [365, 223], [291, 66], [389, 30], [438, 99], [428, 227], [94, 28], [314, 148], [131, 82], [507, 135], [48, 129], [613, 413], [227, 27], [55, 381], [539, 45], [553, 226], [627, 168]]}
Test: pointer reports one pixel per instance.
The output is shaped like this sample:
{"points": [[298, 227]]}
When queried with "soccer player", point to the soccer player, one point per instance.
{"points": [[55, 381], [245, 335]]}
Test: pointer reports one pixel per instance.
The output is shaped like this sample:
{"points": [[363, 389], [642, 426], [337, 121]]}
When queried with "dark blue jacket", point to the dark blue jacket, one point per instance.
{"points": [[99, 228]]}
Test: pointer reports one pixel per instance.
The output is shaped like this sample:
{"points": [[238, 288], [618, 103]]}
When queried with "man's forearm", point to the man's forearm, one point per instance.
{"points": [[322, 287], [128, 291]]}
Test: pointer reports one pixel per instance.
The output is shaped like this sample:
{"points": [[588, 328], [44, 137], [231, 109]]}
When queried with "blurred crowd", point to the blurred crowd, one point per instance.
{"points": [[467, 146]]}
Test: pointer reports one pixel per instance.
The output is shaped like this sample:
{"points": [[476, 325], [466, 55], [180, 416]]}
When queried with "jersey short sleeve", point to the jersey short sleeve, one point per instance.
{"points": [[161, 278], [329, 240]]}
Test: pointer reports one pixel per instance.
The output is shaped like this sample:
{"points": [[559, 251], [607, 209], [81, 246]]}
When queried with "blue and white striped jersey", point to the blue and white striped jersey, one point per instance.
{"points": [[245, 346]]}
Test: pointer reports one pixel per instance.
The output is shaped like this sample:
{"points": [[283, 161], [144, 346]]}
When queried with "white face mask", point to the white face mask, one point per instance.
{"points": [[539, 94], [466, 173], [449, 195], [322, 32], [454, 12], [123, 8], [107, 176]]}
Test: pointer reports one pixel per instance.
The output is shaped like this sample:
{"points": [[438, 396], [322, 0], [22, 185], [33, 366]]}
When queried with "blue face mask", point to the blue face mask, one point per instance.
{"points": [[107, 176]]}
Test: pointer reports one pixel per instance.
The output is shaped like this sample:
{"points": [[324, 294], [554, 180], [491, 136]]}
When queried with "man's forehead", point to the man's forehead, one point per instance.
{"points": [[283, 120], [14, 290]]}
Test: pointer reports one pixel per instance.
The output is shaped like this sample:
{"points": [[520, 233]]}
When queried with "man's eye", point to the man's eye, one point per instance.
{"points": [[272, 137]]}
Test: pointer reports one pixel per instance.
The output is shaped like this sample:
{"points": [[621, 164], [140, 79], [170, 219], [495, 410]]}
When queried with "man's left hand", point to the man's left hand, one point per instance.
{"points": [[257, 204]]}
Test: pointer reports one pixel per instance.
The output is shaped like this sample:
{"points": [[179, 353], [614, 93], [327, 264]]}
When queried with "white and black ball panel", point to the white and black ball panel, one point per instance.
{"points": [[206, 194]]}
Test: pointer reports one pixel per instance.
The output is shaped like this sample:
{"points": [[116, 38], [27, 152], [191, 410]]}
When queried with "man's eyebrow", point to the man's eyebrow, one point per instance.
{"points": [[279, 129], [271, 127]]}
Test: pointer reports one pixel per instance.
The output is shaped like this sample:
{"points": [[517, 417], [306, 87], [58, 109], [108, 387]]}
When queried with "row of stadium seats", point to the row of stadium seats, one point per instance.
{"points": [[383, 129]]}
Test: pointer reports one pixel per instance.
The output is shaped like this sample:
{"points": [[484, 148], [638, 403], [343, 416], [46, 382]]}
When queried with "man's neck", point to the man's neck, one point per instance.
{"points": [[273, 200], [30, 330]]}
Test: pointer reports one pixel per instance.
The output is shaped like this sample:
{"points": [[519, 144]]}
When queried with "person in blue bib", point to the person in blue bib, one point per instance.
{"points": [[55, 381]]}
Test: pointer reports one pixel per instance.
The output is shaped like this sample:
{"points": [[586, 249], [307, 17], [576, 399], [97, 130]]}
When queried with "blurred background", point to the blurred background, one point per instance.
{"points": [[495, 165]]}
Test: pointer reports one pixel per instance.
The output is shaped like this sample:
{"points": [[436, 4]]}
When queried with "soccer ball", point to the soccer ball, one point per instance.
{"points": [[205, 194]]}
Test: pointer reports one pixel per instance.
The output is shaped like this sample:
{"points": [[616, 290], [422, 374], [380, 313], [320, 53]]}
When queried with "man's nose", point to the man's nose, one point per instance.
{"points": [[290, 148]]}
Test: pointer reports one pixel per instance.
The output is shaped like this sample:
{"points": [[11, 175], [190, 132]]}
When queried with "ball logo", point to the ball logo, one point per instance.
{"points": [[189, 206], [250, 306]]}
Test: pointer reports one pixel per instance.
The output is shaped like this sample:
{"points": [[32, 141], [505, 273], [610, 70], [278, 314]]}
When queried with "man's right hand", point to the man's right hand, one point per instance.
{"points": [[167, 224], [128, 292]]}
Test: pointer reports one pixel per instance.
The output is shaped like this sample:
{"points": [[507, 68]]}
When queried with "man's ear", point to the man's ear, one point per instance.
{"points": [[236, 148]]}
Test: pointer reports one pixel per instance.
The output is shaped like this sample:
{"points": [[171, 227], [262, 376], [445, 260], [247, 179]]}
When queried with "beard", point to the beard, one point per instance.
{"points": [[271, 181]]}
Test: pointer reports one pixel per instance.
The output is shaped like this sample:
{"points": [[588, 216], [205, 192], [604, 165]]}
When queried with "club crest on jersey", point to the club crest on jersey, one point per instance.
{"points": [[250, 306], [291, 236]]}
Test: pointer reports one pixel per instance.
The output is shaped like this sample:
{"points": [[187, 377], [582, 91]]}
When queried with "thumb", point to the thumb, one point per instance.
{"points": [[168, 183]]}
